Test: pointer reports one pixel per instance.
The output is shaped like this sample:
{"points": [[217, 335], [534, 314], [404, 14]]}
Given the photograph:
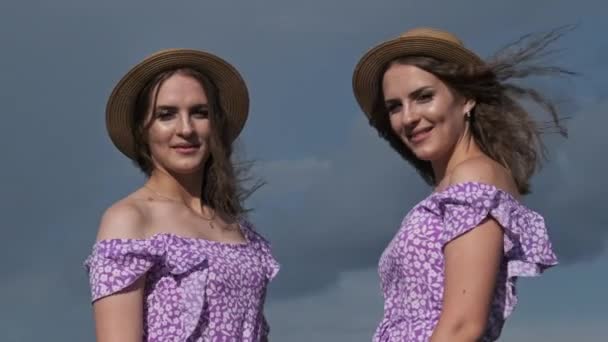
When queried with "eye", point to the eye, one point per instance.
{"points": [[393, 107], [425, 97], [201, 113], [164, 115]]}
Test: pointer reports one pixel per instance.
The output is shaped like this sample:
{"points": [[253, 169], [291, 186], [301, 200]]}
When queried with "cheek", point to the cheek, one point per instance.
{"points": [[157, 150], [436, 113], [448, 134], [158, 134], [395, 124], [157, 141], [455, 125], [204, 130]]}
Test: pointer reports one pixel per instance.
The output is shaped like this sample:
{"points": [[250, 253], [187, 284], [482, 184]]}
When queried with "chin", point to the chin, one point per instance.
{"points": [[426, 154], [186, 170], [186, 167]]}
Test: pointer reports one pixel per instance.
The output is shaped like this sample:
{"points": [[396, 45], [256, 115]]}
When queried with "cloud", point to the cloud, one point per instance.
{"points": [[350, 205], [336, 192], [345, 215], [38, 294], [347, 311], [570, 330], [351, 308], [573, 188], [291, 177]]}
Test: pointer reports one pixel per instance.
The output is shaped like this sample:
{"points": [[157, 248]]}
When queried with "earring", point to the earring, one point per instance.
{"points": [[467, 115]]}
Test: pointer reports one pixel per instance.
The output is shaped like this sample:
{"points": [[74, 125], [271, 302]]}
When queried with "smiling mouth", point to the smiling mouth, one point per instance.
{"points": [[186, 148], [419, 135]]}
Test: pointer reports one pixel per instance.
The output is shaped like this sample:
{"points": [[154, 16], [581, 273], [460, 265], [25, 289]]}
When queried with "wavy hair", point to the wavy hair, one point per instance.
{"points": [[223, 182], [500, 125]]}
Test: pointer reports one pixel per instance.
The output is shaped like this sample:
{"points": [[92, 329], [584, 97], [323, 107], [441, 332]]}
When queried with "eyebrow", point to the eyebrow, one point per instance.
{"points": [[389, 102], [199, 106], [416, 93]]}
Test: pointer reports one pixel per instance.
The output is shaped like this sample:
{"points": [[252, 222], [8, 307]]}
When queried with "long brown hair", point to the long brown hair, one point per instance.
{"points": [[499, 124], [222, 186]]}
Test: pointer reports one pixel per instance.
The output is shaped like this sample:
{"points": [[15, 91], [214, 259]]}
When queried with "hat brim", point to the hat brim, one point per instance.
{"points": [[233, 94], [367, 74]]}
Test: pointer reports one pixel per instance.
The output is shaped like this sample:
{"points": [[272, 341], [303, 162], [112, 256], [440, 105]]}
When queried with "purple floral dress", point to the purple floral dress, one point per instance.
{"points": [[196, 290], [412, 266]]}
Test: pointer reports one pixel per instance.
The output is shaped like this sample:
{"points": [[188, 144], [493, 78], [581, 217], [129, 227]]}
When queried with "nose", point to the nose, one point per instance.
{"points": [[408, 116], [185, 125]]}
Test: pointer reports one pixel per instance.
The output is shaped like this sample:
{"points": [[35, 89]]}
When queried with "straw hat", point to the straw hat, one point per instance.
{"points": [[234, 98], [428, 42]]}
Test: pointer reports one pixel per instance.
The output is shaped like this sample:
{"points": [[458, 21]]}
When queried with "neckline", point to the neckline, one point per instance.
{"points": [[203, 240], [473, 183], [244, 231]]}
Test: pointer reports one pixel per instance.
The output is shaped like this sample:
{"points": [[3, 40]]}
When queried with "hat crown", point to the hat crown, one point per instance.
{"points": [[428, 32]]}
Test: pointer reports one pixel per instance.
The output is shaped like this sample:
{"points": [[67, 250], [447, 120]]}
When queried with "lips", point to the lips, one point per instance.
{"points": [[418, 135], [185, 145], [186, 148]]}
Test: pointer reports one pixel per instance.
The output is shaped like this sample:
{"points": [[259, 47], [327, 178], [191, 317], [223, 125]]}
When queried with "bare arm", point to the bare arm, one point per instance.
{"points": [[119, 317], [472, 263]]}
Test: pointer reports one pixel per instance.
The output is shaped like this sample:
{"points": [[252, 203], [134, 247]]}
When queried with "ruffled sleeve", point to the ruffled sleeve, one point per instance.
{"points": [[264, 246], [271, 265], [527, 248], [116, 264]]}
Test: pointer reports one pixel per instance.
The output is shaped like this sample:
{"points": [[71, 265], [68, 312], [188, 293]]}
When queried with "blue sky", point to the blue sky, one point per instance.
{"points": [[335, 192]]}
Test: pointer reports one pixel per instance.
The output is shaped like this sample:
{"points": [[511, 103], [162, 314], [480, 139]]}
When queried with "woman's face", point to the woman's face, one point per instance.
{"points": [[427, 115], [178, 127]]}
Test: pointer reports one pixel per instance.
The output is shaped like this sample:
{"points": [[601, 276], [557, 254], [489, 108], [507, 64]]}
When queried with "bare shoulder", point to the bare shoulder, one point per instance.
{"points": [[125, 219], [483, 170]]}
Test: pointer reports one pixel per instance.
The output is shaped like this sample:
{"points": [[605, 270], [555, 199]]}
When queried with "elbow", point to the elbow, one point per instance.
{"points": [[465, 330], [471, 331]]}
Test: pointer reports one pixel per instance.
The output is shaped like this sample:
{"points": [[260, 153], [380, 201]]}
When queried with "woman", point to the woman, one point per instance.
{"points": [[175, 260], [449, 273]]}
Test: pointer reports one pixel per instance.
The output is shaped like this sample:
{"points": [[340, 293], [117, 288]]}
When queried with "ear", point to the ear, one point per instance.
{"points": [[469, 104]]}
